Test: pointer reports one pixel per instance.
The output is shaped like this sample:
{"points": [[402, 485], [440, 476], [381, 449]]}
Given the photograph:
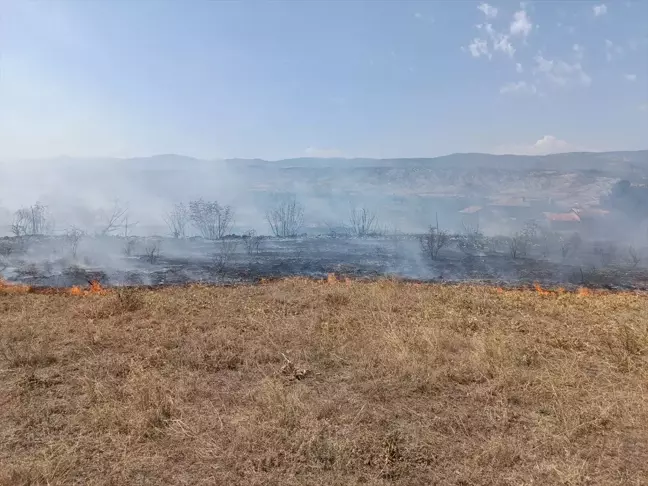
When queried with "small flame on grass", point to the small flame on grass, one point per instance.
{"points": [[14, 288], [540, 290], [76, 290], [583, 291], [331, 278], [95, 287]]}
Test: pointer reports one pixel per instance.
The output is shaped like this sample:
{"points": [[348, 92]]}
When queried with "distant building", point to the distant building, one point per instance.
{"points": [[470, 216], [569, 221]]}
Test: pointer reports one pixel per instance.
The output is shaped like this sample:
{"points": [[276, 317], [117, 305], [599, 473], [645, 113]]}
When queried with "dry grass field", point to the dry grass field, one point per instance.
{"points": [[337, 383]]}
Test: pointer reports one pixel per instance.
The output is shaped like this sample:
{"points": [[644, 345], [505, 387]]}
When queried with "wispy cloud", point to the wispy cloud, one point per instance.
{"points": [[560, 73], [479, 47], [521, 24], [599, 10], [578, 51], [489, 10], [549, 144], [519, 68], [630, 77], [501, 42], [518, 87], [612, 50]]}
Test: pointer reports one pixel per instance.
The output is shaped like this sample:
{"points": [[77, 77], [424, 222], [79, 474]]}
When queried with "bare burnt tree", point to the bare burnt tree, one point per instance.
{"points": [[363, 223], [212, 220], [633, 256], [6, 248], [114, 220], [518, 245], [73, 236], [471, 241], [606, 252], [224, 254], [434, 240], [31, 221], [252, 242], [152, 251], [569, 246], [128, 227], [286, 219], [129, 246], [177, 220]]}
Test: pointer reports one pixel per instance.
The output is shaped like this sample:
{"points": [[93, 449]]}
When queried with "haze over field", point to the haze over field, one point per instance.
{"points": [[404, 193]]}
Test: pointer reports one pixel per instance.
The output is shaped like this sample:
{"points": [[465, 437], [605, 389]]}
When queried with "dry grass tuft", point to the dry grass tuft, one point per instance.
{"points": [[331, 382]]}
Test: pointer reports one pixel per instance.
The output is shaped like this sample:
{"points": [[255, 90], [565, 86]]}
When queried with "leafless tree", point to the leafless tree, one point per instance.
{"points": [[633, 256], [152, 251], [115, 219], [31, 221], [606, 252], [128, 226], [363, 223], [434, 240], [252, 242], [129, 246], [472, 240], [224, 254], [212, 220], [74, 236], [6, 248], [569, 245], [177, 220], [518, 244], [286, 219]]}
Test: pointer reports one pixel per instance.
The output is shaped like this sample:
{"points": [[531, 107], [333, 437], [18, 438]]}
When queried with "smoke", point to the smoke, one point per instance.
{"points": [[405, 197]]}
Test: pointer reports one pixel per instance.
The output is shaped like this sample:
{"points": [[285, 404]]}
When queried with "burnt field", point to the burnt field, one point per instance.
{"points": [[117, 261]]}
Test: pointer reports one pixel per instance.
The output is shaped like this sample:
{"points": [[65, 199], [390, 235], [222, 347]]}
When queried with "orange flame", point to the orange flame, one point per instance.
{"points": [[331, 278], [7, 287], [95, 287], [76, 290], [499, 290], [540, 290], [583, 291]]}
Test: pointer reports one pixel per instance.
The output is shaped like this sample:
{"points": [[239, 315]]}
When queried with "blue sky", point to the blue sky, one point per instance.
{"points": [[307, 78]]}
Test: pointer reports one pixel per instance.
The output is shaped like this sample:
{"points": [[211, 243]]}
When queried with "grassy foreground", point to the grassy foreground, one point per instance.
{"points": [[304, 382]]}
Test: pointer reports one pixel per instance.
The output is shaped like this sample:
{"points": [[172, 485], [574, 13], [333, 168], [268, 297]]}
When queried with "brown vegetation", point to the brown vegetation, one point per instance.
{"points": [[333, 382]]}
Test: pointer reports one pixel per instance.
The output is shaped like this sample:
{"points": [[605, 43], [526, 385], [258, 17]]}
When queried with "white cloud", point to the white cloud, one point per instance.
{"points": [[489, 10], [323, 152], [599, 10], [611, 50], [500, 41], [519, 68], [519, 87], [418, 15], [630, 77], [521, 24], [560, 73], [643, 107], [578, 51], [548, 144], [479, 47]]}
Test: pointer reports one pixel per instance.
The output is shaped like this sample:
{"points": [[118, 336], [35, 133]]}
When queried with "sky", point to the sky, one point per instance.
{"points": [[287, 79]]}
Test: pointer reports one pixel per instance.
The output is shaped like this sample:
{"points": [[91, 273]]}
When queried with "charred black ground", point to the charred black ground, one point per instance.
{"points": [[115, 261]]}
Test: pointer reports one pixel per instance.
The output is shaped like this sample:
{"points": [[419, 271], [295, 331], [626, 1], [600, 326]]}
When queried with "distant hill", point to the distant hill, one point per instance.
{"points": [[404, 191]]}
